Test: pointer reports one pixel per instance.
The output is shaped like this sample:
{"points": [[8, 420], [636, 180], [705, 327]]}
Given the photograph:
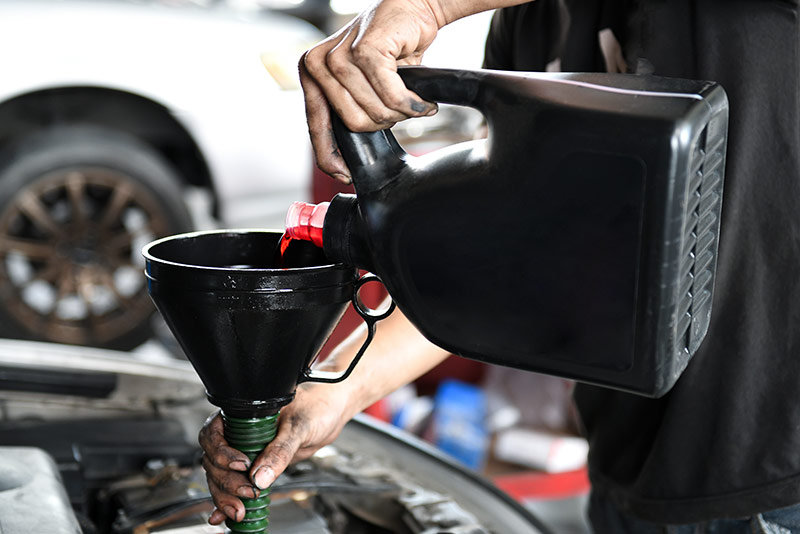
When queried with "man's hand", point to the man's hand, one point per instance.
{"points": [[355, 72], [314, 419]]}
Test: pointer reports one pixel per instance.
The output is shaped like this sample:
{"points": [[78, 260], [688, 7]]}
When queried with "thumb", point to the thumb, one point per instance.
{"points": [[276, 457]]}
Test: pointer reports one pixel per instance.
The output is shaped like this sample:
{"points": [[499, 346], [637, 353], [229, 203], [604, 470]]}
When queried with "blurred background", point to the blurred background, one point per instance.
{"points": [[122, 121]]}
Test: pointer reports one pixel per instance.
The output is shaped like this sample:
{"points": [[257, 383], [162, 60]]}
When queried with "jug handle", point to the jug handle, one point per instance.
{"points": [[375, 157], [370, 317]]}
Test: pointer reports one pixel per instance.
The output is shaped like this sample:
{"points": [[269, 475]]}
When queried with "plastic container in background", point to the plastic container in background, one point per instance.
{"points": [[413, 415], [545, 451], [458, 426]]}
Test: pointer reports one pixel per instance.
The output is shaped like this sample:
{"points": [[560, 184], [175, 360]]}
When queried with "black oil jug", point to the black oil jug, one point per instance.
{"points": [[579, 239]]}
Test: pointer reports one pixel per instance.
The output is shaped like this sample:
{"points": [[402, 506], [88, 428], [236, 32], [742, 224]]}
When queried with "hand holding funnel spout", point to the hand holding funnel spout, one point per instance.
{"points": [[312, 420], [315, 417]]}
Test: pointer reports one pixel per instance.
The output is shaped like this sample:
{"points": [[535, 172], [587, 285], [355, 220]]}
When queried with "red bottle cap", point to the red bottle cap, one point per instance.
{"points": [[304, 221]]}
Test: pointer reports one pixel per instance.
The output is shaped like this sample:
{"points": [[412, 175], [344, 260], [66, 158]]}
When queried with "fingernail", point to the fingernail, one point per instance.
{"points": [[263, 477], [343, 178], [216, 517], [433, 111], [417, 106], [248, 492], [239, 465], [230, 511]]}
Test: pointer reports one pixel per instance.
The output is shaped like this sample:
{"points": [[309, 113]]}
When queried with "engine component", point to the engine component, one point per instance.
{"points": [[29, 482]]}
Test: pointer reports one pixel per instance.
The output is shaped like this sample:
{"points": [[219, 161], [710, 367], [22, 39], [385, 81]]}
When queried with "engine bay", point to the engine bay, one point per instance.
{"points": [[122, 458]]}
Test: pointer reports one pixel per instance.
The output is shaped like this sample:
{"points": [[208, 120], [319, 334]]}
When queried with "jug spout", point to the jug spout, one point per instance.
{"points": [[304, 221], [336, 226]]}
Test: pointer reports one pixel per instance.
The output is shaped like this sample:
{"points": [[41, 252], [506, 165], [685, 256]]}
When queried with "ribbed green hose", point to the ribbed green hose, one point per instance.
{"points": [[251, 436]]}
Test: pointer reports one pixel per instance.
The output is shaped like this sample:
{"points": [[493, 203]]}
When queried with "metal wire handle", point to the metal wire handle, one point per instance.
{"points": [[370, 317]]}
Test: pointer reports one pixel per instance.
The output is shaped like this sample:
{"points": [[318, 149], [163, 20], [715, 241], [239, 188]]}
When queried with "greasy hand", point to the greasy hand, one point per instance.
{"points": [[355, 72], [314, 419]]}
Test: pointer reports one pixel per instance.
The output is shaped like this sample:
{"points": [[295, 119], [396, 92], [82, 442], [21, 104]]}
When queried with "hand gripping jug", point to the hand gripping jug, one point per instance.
{"points": [[579, 239]]}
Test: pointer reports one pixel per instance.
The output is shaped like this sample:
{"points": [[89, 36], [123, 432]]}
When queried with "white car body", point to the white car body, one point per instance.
{"points": [[204, 65]]}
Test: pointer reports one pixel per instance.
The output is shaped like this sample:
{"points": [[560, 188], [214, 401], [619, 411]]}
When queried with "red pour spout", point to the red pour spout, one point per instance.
{"points": [[304, 221]]}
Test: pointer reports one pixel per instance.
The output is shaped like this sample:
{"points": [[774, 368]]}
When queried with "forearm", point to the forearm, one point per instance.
{"points": [[397, 355]]}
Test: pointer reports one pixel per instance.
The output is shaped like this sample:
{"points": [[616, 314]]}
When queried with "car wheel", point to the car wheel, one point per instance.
{"points": [[76, 206]]}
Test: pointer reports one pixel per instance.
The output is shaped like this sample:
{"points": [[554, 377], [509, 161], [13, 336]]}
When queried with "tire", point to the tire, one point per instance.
{"points": [[77, 203]]}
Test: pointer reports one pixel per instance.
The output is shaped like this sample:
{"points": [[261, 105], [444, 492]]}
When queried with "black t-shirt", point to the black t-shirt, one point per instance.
{"points": [[725, 442]]}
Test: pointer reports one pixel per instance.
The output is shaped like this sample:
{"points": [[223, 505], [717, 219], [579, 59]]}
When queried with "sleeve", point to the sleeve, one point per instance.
{"points": [[497, 54], [525, 37]]}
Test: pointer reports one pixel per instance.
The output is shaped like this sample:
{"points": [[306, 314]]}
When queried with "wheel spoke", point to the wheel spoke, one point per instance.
{"points": [[52, 272], [65, 284], [119, 198], [118, 244], [33, 250], [84, 289], [33, 207], [108, 281], [76, 186]]}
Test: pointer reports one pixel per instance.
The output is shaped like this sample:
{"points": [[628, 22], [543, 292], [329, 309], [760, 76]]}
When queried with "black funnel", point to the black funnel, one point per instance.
{"points": [[249, 329]]}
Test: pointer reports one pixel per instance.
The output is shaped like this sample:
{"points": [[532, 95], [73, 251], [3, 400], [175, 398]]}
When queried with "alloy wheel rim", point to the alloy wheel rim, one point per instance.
{"points": [[70, 267]]}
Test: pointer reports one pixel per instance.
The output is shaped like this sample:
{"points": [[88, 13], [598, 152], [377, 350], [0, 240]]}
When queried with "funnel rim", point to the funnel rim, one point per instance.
{"points": [[246, 272]]}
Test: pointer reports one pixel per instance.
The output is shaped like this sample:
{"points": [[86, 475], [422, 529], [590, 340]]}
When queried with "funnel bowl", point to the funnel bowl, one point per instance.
{"points": [[249, 329]]}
